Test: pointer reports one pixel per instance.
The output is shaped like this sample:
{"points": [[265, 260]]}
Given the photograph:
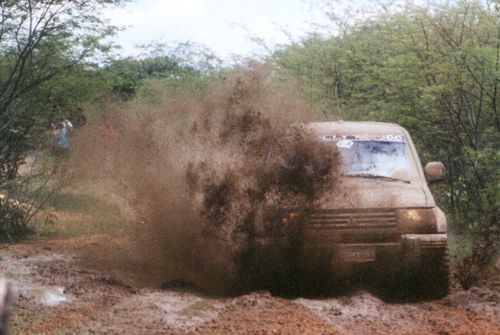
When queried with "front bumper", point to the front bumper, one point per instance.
{"points": [[416, 247], [409, 249], [425, 241]]}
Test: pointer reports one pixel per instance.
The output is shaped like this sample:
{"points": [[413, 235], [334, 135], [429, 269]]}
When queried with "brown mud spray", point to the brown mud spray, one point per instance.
{"points": [[196, 169]]}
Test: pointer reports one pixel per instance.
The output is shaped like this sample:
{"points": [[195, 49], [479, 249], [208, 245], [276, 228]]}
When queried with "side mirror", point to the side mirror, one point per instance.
{"points": [[434, 172]]}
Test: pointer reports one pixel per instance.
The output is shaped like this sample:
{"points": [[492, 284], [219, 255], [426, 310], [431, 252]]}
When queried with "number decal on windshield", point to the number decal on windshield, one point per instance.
{"points": [[345, 144], [342, 138]]}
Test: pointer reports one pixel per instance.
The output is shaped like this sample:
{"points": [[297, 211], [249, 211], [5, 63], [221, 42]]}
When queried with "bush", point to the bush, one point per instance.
{"points": [[484, 250], [13, 223]]}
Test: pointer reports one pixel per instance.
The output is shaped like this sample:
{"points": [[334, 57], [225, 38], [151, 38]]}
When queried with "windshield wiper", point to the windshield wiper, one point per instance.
{"points": [[368, 175]]}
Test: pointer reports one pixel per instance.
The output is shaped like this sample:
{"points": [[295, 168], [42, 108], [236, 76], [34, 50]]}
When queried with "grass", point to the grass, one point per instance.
{"points": [[71, 207], [76, 212]]}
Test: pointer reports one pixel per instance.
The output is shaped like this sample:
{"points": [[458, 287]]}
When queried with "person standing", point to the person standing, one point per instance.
{"points": [[61, 140]]}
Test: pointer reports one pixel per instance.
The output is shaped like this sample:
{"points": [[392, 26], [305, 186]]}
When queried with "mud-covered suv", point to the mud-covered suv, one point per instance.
{"points": [[381, 213]]}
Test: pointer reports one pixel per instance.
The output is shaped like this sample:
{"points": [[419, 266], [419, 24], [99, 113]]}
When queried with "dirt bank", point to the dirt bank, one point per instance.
{"points": [[56, 295]]}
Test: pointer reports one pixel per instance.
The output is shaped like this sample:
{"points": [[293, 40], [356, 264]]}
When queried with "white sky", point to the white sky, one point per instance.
{"points": [[216, 24]]}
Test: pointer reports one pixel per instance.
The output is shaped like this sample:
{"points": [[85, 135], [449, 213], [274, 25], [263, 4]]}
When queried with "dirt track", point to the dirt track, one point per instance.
{"points": [[58, 296]]}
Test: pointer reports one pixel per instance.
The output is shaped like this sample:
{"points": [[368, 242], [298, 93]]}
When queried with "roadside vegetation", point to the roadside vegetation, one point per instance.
{"points": [[434, 69]]}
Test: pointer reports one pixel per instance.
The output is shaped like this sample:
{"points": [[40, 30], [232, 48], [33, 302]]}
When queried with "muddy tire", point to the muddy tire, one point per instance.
{"points": [[431, 280], [435, 274]]}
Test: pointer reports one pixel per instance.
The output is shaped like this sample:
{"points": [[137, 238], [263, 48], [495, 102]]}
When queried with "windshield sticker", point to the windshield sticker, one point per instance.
{"points": [[390, 138], [328, 138], [345, 144], [382, 138]]}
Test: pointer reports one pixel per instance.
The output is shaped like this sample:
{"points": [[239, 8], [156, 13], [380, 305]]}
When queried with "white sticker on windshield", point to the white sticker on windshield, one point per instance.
{"points": [[345, 144], [391, 138], [328, 138]]}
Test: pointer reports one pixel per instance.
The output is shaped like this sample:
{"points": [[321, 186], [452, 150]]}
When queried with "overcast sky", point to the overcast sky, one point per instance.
{"points": [[221, 25]]}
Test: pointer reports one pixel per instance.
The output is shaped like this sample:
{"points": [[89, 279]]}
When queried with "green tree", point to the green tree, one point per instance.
{"points": [[184, 63]]}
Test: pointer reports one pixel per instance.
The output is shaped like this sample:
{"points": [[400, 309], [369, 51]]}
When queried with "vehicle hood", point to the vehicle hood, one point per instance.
{"points": [[352, 193]]}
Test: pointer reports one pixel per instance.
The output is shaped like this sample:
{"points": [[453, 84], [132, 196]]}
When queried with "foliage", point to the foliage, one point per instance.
{"points": [[485, 249], [183, 64], [22, 198], [12, 221]]}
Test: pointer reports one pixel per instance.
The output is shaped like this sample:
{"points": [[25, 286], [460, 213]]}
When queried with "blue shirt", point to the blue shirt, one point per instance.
{"points": [[62, 139]]}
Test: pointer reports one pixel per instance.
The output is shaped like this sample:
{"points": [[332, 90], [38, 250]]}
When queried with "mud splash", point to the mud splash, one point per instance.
{"points": [[197, 168]]}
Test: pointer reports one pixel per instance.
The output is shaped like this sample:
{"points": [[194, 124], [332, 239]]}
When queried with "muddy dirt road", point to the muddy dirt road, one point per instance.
{"points": [[56, 295]]}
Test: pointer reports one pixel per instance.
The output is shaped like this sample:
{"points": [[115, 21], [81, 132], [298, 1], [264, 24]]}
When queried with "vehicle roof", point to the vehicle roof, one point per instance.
{"points": [[354, 128]]}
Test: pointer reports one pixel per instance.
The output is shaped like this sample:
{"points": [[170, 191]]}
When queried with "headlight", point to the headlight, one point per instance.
{"points": [[290, 217], [279, 221], [417, 220]]}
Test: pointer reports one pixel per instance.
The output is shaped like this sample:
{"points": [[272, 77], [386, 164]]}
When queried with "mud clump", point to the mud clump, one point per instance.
{"points": [[199, 169]]}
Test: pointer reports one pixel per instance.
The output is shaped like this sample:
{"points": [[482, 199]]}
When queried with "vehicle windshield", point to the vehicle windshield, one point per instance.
{"points": [[370, 158]]}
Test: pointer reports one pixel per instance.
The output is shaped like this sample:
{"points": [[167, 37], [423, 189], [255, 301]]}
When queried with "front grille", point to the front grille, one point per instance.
{"points": [[366, 219]]}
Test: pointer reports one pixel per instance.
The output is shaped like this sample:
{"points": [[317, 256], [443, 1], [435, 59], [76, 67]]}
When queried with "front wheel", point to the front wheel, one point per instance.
{"points": [[435, 273], [425, 279]]}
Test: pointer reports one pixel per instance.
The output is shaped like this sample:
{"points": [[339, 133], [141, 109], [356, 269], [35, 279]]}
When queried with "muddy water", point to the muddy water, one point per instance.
{"points": [[173, 309], [56, 295], [476, 312], [20, 274]]}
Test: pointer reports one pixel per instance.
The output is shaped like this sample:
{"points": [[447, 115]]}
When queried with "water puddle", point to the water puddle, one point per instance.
{"points": [[48, 296], [177, 309], [185, 310], [20, 272]]}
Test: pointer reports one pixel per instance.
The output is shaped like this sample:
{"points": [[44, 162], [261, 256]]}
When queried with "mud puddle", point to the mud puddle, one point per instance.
{"points": [[21, 274], [462, 312], [170, 310], [80, 300]]}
